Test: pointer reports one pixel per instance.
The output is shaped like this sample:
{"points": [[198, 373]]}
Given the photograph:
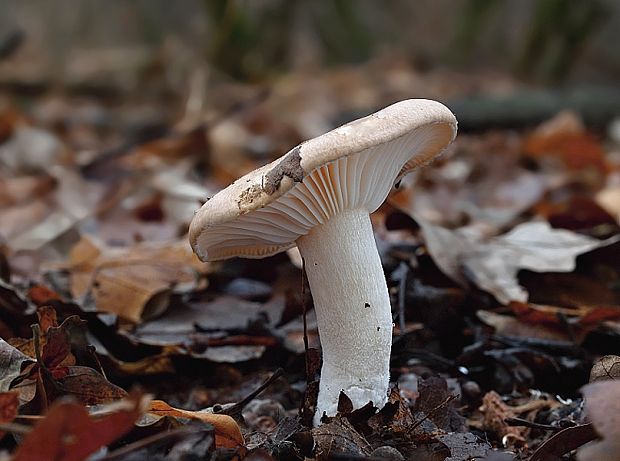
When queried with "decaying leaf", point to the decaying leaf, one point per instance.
{"points": [[548, 322], [338, 437], [565, 137], [134, 282], [464, 446], [506, 325], [88, 386], [564, 442], [435, 403], [69, 433], [227, 432], [493, 264], [605, 368]]}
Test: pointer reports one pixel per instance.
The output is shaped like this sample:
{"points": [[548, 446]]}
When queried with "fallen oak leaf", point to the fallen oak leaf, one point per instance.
{"points": [[69, 433], [227, 431]]}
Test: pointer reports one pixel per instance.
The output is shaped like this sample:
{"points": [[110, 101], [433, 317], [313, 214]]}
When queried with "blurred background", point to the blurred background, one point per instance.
{"points": [[123, 42]]}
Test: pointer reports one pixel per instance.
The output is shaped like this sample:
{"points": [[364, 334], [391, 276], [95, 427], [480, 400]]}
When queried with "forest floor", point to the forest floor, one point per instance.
{"points": [[502, 260]]}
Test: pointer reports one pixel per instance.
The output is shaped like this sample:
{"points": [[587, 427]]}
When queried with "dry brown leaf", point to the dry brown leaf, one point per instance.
{"points": [[338, 437], [564, 136], [227, 432], [133, 282], [583, 319], [605, 368], [68, 433], [602, 403], [563, 442], [506, 325], [88, 386]]}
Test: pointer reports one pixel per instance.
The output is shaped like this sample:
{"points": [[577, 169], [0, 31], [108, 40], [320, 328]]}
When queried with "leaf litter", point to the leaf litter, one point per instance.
{"points": [[502, 260]]}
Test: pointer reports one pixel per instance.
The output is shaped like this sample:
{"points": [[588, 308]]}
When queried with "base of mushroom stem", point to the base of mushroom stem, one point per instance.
{"points": [[375, 390]]}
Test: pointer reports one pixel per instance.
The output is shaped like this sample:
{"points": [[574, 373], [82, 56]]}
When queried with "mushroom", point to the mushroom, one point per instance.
{"points": [[319, 197]]}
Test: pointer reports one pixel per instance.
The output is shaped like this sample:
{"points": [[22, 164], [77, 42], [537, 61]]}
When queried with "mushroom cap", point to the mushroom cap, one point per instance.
{"points": [[353, 166]]}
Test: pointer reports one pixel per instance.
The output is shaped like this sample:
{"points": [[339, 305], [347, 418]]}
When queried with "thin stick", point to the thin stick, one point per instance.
{"points": [[429, 413], [236, 409], [303, 309], [402, 287], [146, 441], [36, 338], [29, 417], [530, 424], [15, 428]]}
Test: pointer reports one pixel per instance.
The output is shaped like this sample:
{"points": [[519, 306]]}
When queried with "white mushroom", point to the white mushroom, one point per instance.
{"points": [[319, 196]]}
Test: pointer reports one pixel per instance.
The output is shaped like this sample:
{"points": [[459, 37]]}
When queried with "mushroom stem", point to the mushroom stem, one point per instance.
{"points": [[353, 311]]}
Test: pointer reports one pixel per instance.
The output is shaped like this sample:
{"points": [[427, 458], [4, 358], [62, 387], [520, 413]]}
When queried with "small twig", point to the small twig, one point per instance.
{"points": [[430, 412], [530, 424], [238, 407], [29, 417], [237, 340], [95, 357], [15, 428], [146, 441], [304, 311], [402, 287], [36, 338]]}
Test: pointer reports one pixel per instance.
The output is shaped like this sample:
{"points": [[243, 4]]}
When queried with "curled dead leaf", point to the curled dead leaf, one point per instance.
{"points": [[227, 431], [134, 282]]}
